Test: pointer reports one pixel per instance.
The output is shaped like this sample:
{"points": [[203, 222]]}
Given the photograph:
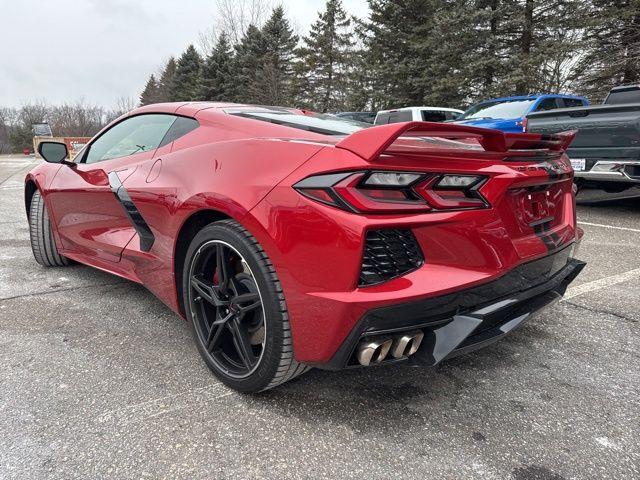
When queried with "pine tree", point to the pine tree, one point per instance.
{"points": [[217, 82], [274, 81], [246, 66], [150, 94], [166, 79], [389, 36], [185, 86], [612, 41], [326, 54], [537, 35], [459, 51]]}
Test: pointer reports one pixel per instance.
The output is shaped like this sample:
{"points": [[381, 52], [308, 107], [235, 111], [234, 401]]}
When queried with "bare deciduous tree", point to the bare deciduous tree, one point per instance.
{"points": [[123, 105], [76, 119], [234, 16], [7, 119]]}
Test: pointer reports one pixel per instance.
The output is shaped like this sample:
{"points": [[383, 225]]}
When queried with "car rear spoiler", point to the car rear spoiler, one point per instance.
{"points": [[371, 143]]}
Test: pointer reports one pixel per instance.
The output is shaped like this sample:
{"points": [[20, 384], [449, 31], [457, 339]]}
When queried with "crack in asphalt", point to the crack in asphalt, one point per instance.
{"points": [[601, 312], [49, 292], [20, 170]]}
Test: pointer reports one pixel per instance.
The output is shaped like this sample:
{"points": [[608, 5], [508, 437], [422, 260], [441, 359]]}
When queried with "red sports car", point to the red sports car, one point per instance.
{"points": [[291, 240]]}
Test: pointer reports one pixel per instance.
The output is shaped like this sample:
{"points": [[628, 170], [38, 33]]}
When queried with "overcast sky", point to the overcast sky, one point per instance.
{"points": [[100, 50]]}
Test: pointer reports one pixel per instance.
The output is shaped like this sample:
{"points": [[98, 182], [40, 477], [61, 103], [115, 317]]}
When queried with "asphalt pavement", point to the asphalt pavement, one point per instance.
{"points": [[98, 379]]}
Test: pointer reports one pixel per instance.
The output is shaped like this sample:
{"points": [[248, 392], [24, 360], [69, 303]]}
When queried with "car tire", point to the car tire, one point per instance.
{"points": [[252, 273], [43, 244]]}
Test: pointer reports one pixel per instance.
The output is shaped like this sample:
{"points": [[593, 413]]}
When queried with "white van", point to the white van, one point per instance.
{"points": [[417, 114]]}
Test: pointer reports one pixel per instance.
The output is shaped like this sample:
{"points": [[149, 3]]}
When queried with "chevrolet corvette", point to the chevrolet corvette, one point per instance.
{"points": [[290, 239]]}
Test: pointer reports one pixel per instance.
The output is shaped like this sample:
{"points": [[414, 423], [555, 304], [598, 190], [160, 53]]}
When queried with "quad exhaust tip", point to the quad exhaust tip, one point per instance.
{"points": [[376, 350], [407, 344], [373, 350]]}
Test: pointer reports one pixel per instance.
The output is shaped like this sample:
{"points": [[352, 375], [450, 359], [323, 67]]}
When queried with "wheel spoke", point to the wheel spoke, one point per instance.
{"points": [[214, 336], [223, 320], [208, 291], [223, 268], [242, 343], [247, 302]]}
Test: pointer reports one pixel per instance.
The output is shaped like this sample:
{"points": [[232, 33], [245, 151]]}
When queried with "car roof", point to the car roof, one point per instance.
{"points": [[192, 108], [624, 88], [531, 97], [355, 113], [440, 109]]}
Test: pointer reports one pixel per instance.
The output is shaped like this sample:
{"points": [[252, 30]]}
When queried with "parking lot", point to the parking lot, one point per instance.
{"points": [[99, 379]]}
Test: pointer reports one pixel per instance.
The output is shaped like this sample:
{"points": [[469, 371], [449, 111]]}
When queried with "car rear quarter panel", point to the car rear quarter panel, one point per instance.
{"points": [[229, 177], [317, 249]]}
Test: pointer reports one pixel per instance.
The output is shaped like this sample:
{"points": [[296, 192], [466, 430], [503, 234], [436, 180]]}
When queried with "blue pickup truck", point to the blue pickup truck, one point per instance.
{"points": [[508, 113]]}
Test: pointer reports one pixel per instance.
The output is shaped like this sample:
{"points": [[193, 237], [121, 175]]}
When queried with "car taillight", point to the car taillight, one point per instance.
{"points": [[394, 192], [523, 124]]}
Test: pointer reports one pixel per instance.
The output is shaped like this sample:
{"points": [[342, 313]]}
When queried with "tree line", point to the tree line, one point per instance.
{"points": [[448, 53], [77, 119]]}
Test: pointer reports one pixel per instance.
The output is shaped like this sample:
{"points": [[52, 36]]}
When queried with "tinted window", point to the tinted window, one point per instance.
{"points": [[179, 128], [500, 109], [401, 116], [547, 104], [316, 123], [620, 97], [453, 115], [133, 135], [432, 116], [382, 119], [572, 102], [366, 117]]}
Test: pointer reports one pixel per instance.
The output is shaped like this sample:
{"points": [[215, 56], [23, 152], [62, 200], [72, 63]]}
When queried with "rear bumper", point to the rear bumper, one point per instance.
{"points": [[464, 321], [613, 171]]}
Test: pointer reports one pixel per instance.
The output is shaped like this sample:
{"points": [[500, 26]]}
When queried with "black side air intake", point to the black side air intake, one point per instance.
{"points": [[389, 254]]}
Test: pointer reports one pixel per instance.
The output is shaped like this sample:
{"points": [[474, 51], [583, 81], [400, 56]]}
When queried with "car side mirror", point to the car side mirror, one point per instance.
{"points": [[53, 152]]}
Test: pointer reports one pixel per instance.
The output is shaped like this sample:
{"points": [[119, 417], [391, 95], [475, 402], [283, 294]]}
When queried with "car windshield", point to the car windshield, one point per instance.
{"points": [[499, 109], [317, 122]]}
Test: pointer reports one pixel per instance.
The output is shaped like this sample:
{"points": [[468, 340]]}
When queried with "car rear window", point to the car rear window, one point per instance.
{"points": [[621, 97], [501, 109], [316, 123]]}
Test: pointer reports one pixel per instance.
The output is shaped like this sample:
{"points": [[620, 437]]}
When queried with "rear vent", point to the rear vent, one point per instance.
{"points": [[389, 254]]}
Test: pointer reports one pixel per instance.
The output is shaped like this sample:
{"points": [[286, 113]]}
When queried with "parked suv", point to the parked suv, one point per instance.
{"points": [[508, 113], [417, 114]]}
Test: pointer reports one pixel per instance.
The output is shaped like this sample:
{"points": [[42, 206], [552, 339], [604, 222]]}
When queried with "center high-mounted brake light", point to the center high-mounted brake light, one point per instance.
{"points": [[394, 192]]}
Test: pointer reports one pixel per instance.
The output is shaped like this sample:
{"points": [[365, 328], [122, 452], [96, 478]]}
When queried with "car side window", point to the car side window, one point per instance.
{"points": [[382, 119], [401, 116], [433, 116], [138, 134], [547, 104], [572, 102], [179, 128]]}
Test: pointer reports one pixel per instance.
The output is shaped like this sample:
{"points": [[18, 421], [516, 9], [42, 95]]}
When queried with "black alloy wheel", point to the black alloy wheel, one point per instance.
{"points": [[228, 314], [237, 310]]}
